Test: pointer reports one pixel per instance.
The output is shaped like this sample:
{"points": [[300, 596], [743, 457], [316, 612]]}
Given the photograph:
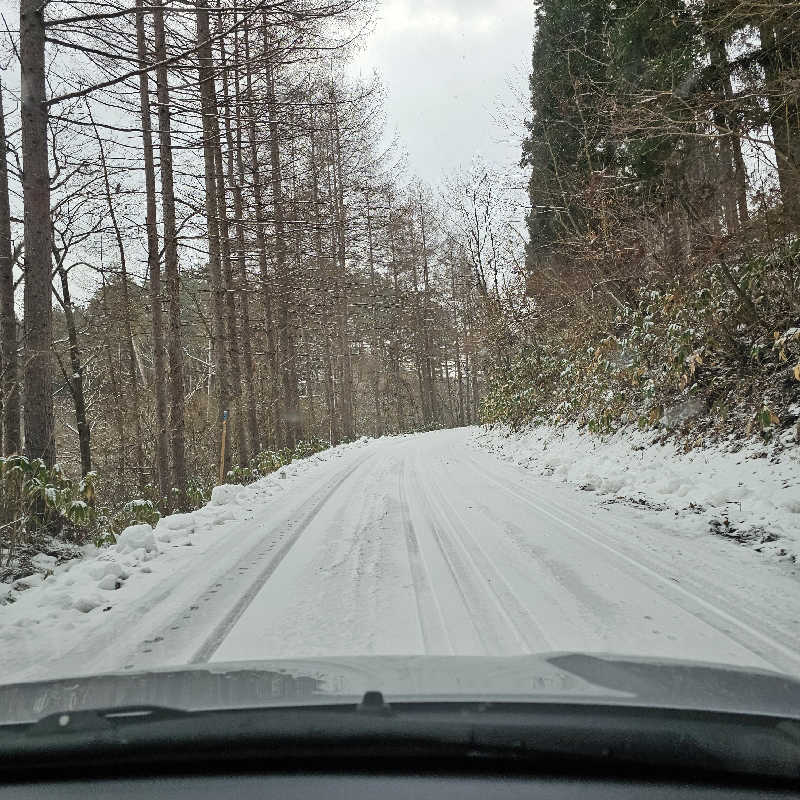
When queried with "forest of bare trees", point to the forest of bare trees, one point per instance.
{"points": [[210, 253], [206, 252]]}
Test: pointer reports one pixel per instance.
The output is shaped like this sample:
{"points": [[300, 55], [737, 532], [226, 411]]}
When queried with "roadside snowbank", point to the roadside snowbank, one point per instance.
{"points": [[60, 602], [747, 492]]}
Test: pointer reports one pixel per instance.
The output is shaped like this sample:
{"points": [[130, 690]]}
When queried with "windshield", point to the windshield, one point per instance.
{"points": [[428, 347]]}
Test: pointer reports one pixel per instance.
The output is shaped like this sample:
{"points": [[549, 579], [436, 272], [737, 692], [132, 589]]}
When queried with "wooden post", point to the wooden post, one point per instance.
{"points": [[222, 448]]}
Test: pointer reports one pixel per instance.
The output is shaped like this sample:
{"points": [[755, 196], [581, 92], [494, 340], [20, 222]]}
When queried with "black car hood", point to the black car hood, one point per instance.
{"points": [[554, 677]]}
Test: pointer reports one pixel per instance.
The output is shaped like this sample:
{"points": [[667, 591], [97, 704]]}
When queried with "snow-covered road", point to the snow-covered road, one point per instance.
{"points": [[430, 544], [433, 546]]}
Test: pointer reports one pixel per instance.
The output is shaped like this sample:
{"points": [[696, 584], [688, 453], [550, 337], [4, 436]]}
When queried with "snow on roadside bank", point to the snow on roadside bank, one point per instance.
{"points": [[54, 607], [749, 493]]}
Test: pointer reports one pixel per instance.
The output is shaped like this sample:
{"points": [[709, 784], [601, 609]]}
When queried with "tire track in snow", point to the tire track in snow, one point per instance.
{"points": [[217, 636], [740, 631], [431, 620], [520, 619], [495, 629]]}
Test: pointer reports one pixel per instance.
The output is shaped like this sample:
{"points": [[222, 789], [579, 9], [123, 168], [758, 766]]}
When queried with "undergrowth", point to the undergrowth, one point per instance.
{"points": [[45, 510], [709, 355]]}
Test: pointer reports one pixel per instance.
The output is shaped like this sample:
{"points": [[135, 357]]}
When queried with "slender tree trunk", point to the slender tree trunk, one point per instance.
{"points": [[38, 324], [236, 181], [234, 354], [376, 345], [273, 375], [330, 397], [418, 336], [172, 272], [119, 415], [740, 177], [153, 263], [719, 62], [9, 366], [311, 427], [133, 394], [208, 100], [346, 366], [783, 113], [287, 356], [394, 355], [427, 363], [459, 374], [75, 378]]}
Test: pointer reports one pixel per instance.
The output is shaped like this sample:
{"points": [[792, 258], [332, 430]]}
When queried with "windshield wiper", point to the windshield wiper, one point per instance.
{"points": [[105, 719], [102, 719]]}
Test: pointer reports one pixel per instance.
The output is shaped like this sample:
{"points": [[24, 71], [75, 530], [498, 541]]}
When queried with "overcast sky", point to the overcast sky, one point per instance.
{"points": [[450, 68]]}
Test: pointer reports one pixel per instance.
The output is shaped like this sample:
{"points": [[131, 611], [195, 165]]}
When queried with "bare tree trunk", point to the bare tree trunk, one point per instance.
{"points": [[784, 122], [133, 394], [9, 367], [376, 346], [38, 323], [740, 177], [208, 100], [234, 354], [230, 306], [330, 401], [75, 378], [153, 262], [394, 349], [418, 335], [261, 244], [427, 354], [292, 419], [119, 416], [719, 63], [459, 374], [346, 367], [311, 427], [171, 269], [236, 180]]}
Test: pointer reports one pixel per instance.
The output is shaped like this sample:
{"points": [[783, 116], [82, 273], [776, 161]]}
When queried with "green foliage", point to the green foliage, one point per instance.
{"points": [[35, 499], [270, 460], [30, 491]]}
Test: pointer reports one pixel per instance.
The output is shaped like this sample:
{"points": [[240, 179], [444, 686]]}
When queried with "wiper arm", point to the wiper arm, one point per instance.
{"points": [[104, 719], [101, 719]]}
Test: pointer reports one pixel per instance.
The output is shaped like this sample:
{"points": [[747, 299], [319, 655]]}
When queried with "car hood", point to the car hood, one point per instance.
{"points": [[552, 677]]}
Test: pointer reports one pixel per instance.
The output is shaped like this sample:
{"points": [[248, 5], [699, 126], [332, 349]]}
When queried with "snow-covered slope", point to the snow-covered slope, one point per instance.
{"points": [[749, 493]]}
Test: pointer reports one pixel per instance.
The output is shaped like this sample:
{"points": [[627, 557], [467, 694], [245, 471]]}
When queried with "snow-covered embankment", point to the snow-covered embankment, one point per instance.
{"points": [[749, 492]]}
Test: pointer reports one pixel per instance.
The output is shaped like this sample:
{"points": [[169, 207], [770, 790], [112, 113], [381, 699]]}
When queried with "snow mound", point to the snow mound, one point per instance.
{"points": [[225, 494], [738, 482], [136, 537]]}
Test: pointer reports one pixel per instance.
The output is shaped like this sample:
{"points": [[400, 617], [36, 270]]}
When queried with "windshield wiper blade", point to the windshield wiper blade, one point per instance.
{"points": [[100, 719], [104, 719]]}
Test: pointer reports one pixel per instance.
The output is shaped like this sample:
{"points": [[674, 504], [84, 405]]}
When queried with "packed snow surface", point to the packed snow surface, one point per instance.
{"points": [[461, 541]]}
